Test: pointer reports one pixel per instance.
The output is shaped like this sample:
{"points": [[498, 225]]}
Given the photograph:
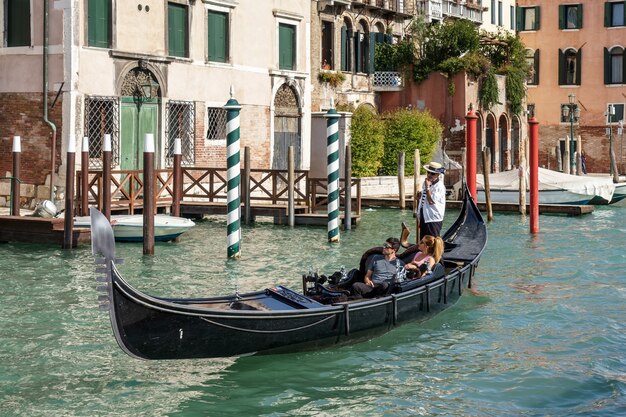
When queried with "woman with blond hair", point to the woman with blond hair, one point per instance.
{"points": [[429, 254]]}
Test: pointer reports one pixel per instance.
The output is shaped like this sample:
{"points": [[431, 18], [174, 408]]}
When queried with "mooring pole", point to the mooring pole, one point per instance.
{"points": [[470, 146], [246, 185], [233, 176], [347, 210], [291, 174], [148, 194], [15, 181], [68, 223], [533, 125], [401, 193], [332, 170], [177, 178], [84, 185], [106, 177]]}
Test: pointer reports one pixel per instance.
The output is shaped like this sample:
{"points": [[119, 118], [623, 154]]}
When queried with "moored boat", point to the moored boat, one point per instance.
{"points": [[554, 188], [129, 228], [279, 319]]}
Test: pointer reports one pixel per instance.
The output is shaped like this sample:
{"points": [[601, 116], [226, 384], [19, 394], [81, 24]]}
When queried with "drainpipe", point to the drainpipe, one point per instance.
{"points": [[53, 144]]}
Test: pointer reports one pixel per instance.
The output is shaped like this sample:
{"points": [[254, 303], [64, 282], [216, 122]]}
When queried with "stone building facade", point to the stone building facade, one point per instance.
{"points": [[161, 67]]}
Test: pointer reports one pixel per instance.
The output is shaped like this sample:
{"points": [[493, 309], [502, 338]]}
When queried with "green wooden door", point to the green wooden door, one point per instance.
{"points": [[136, 122]]}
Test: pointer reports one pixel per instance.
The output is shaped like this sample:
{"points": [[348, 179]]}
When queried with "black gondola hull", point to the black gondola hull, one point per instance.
{"points": [[278, 320]]}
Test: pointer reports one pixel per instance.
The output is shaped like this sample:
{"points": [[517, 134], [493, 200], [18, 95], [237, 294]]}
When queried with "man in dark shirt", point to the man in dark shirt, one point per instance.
{"points": [[380, 271]]}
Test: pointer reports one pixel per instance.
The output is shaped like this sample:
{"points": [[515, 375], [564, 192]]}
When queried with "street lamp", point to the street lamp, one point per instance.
{"points": [[610, 113], [571, 111]]}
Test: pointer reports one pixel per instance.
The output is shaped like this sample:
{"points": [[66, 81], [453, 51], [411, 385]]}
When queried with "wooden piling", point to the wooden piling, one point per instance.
{"points": [[15, 181], [68, 223], [566, 156], [417, 166], [522, 176], [347, 212], [291, 162], [148, 194], [559, 158], [579, 164], [486, 165], [533, 161], [106, 177], [84, 175], [247, 215], [177, 178], [401, 193]]}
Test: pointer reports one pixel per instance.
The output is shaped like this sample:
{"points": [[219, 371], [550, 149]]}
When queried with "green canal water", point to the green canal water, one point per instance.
{"points": [[543, 332]]}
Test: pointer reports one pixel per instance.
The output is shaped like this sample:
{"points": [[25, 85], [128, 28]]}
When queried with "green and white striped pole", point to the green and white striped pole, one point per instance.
{"points": [[332, 169], [233, 176]]}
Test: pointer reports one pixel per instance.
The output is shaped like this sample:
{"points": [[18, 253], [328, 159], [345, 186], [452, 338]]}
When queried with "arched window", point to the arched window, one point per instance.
{"points": [[569, 67], [614, 65], [532, 57], [346, 45]]}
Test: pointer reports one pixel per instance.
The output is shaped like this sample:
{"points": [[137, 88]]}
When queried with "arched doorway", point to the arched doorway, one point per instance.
{"points": [[490, 140], [287, 127], [139, 115], [503, 140]]}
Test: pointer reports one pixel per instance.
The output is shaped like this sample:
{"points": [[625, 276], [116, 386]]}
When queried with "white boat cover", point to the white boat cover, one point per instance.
{"points": [[548, 180]]}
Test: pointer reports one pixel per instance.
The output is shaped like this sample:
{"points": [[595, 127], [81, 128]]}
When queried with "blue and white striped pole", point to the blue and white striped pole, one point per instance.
{"points": [[233, 176], [332, 170]]}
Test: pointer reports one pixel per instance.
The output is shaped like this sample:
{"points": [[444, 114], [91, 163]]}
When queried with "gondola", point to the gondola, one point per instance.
{"points": [[279, 319]]}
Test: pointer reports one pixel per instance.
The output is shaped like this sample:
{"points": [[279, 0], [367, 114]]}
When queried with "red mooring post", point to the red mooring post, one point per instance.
{"points": [[84, 185], [68, 223], [533, 126], [15, 181], [106, 177], [470, 146], [177, 178], [148, 194]]}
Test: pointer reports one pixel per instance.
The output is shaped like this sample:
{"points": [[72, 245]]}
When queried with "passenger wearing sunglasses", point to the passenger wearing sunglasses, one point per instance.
{"points": [[380, 271]]}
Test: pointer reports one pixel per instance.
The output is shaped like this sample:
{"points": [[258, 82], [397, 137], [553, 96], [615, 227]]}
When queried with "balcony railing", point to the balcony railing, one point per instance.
{"points": [[387, 81], [437, 9]]}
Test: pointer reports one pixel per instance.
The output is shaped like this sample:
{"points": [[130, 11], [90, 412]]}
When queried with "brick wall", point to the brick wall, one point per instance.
{"points": [[21, 114], [253, 119]]}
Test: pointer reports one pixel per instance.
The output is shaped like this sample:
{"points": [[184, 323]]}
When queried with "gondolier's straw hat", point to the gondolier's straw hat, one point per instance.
{"points": [[435, 167]]}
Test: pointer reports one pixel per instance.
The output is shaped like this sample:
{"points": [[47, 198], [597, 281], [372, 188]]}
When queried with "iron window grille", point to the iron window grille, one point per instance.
{"points": [[102, 117], [180, 117], [216, 122]]}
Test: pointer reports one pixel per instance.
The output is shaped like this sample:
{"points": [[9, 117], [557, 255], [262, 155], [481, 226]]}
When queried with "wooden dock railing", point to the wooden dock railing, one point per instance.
{"points": [[267, 186]]}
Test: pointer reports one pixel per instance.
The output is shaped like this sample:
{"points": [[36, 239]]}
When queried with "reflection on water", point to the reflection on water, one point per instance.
{"points": [[542, 333]]}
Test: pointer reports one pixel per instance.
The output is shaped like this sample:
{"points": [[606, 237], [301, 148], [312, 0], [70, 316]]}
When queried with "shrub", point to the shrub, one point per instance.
{"points": [[407, 130], [367, 143]]}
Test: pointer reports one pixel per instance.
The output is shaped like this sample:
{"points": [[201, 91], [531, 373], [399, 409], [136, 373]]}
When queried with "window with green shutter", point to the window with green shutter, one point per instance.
{"points": [[615, 13], [286, 46], [99, 23], [177, 30], [570, 16], [528, 18], [17, 23], [570, 66], [615, 65], [218, 36]]}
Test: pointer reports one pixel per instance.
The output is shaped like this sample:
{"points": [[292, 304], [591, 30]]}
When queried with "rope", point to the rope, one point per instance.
{"points": [[267, 331]]}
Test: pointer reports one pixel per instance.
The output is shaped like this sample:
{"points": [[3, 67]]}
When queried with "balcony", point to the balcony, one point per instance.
{"points": [[471, 10], [395, 6], [387, 81]]}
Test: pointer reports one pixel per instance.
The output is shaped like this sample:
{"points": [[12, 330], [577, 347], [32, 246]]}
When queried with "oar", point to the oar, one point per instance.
{"points": [[404, 236]]}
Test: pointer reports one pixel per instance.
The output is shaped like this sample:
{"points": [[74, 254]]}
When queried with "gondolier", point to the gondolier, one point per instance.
{"points": [[432, 205]]}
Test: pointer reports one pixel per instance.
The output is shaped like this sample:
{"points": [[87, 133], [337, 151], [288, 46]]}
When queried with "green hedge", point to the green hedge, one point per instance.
{"points": [[407, 130], [367, 143], [376, 141]]}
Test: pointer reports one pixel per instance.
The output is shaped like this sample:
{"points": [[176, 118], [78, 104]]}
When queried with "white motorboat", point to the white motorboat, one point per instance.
{"points": [[129, 228], [554, 188]]}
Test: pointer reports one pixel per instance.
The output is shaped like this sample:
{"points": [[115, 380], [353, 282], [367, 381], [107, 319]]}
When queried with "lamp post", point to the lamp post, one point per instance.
{"points": [[571, 111], [609, 116]]}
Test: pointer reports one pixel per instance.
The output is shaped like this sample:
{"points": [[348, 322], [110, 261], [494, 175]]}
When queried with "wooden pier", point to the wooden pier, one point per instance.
{"points": [[564, 209], [29, 229]]}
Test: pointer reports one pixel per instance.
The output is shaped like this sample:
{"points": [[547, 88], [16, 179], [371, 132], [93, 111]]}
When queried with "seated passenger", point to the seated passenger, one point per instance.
{"points": [[430, 252], [380, 271]]}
